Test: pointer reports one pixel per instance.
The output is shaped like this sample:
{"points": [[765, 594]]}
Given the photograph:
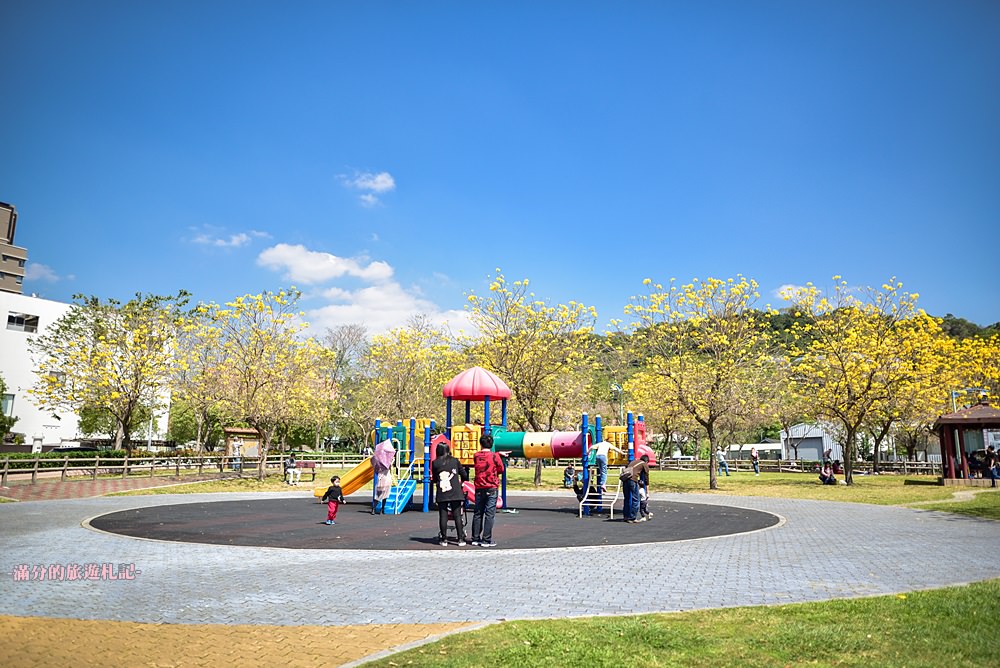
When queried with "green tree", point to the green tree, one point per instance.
{"points": [[6, 421]]}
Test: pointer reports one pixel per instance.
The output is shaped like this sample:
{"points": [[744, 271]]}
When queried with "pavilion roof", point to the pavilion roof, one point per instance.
{"points": [[980, 415], [476, 384]]}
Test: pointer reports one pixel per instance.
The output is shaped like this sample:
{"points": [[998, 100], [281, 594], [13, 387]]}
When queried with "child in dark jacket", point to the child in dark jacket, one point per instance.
{"points": [[333, 498]]}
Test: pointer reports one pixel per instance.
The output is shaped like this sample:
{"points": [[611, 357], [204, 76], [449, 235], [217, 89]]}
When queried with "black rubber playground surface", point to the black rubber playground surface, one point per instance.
{"points": [[540, 522]]}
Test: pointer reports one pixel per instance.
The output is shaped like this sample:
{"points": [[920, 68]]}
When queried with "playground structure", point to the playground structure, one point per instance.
{"points": [[416, 444]]}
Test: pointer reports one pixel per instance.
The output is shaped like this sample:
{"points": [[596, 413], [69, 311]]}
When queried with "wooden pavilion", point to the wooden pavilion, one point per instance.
{"points": [[958, 434]]}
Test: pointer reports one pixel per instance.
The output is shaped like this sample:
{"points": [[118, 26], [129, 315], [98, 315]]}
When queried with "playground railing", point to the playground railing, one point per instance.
{"points": [[407, 475]]}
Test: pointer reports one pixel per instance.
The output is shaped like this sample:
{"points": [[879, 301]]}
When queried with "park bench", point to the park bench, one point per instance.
{"points": [[307, 467]]}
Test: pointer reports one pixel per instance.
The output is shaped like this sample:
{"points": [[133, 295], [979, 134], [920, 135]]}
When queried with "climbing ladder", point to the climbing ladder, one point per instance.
{"points": [[593, 498]]}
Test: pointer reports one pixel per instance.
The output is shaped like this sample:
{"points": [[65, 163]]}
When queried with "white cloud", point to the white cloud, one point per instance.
{"points": [[380, 304], [210, 237], [310, 267], [787, 289], [36, 271], [381, 308], [377, 183], [372, 185]]}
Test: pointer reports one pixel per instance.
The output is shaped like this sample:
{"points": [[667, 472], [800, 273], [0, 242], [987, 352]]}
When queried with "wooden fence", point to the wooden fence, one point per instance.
{"points": [[76, 467]]}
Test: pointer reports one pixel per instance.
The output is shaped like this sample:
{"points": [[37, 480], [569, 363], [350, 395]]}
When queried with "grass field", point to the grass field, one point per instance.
{"points": [[945, 627]]}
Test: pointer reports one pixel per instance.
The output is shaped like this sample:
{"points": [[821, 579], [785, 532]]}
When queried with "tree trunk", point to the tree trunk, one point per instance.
{"points": [[199, 422], [879, 437], [538, 472], [849, 455]]}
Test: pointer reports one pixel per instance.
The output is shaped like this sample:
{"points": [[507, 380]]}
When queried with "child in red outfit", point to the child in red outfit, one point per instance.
{"points": [[334, 497]]}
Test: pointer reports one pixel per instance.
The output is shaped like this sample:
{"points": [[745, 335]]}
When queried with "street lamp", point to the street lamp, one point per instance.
{"points": [[618, 393], [968, 390]]}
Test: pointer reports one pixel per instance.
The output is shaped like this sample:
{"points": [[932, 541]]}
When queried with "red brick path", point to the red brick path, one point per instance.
{"points": [[45, 490]]}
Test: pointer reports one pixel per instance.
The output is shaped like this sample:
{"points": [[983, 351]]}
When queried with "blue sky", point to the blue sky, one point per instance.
{"points": [[387, 157]]}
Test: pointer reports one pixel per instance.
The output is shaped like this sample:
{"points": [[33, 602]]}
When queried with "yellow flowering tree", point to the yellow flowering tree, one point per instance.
{"points": [[108, 356], [542, 351], [267, 375], [537, 348], [918, 394], [198, 382], [706, 349], [662, 413], [978, 365], [865, 349], [404, 371]]}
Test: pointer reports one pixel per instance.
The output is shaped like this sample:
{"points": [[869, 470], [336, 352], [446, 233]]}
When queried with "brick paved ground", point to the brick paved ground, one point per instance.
{"points": [[50, 490], [220, 598]]}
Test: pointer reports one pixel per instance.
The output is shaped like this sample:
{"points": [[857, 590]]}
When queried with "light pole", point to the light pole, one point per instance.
{"points": [[967, 390], [618, 393]]}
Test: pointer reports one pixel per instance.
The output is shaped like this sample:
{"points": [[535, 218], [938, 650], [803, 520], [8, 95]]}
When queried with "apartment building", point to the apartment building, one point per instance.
{"points": [[24, 318], [12, 258]]}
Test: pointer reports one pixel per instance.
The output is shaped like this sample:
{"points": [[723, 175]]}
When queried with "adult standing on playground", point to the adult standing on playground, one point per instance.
{"points": [[449, 474], [489, 466], [382, 462], [630, 477], [601, 460]]}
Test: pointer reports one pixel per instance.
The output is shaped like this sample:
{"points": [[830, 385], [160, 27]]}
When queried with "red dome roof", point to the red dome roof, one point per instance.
{"points": [[476, 384]]}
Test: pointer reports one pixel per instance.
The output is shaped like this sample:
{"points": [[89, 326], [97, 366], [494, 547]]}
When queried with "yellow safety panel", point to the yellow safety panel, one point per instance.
{"points": [[465, 441]]}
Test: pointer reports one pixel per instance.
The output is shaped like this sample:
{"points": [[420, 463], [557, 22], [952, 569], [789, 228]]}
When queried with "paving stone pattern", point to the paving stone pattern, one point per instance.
{"points": [[820, 551]]}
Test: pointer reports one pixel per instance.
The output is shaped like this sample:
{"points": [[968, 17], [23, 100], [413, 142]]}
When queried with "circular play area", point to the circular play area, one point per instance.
{"points": [[539, 522]]}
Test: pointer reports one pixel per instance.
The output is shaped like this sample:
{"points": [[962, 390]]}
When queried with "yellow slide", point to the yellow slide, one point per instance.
{"points": [[353, 480]]}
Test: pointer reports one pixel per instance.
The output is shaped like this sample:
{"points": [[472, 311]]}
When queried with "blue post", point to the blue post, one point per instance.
{"points": [[599, 429], [447, 420], [413, 440], [486, 415], [468, 412], [427, 469], [631, 436], [503, 414]]}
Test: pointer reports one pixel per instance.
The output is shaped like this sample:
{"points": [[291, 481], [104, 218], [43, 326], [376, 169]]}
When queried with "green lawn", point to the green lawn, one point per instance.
{"points": [[946, 627]]}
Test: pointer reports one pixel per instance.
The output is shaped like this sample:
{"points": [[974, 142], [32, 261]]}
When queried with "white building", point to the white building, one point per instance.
{"points": [[24, 318]]}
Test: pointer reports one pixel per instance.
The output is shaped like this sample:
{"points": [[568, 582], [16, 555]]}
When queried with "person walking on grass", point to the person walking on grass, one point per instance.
{"points": [[449, 474], [489, 467], [721, 458], [333, 498], [755, 460]]}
